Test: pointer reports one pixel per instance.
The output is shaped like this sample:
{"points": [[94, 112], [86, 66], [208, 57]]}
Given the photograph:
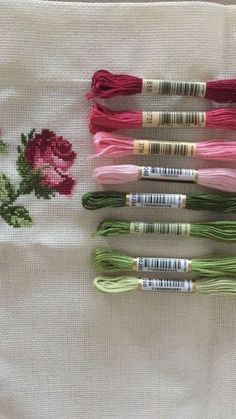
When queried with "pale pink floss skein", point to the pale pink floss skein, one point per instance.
{"points": [[112, 145], [218, 178], [101, 117], [215, 178], [116, 174]]}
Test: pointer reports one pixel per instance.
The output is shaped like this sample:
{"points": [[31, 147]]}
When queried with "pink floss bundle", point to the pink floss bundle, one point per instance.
{"points": [[112, 145], [215, 178], [103, 118], [106, 85]]}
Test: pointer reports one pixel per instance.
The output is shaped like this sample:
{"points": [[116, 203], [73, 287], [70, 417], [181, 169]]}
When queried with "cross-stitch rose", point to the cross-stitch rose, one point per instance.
{"points": [[43, 162], [55, 156]]}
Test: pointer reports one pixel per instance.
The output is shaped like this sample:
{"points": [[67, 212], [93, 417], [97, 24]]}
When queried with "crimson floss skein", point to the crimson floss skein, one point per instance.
{"points": [[106, 85]]}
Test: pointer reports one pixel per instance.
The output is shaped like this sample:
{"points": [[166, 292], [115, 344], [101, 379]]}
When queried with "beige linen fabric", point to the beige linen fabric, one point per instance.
{"points": [[66, 351]]}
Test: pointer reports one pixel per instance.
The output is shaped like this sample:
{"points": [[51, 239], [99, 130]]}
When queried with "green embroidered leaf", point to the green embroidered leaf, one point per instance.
{"points": [[7, 190], [3, 147], [16, 216], [24, 139], [31, 134], [32, 183], [22, 166]]}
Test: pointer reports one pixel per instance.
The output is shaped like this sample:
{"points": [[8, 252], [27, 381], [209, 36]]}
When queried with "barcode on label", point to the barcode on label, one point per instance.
{"points": [[167, 173], [171, 149], [162, 148], [172, 229], [162, 87], [144, 264], [173, 119], [166, 285], [156, 200]]}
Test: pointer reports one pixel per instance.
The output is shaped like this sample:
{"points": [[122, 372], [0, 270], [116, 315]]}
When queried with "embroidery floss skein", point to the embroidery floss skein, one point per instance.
{"points": [[103, 118], [106, 259], [223, 231], [106, 85], [111, 145], [211, 202], [213, 286], [215, 178]]}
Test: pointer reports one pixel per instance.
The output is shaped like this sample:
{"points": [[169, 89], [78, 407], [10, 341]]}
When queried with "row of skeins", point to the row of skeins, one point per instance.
{"points": [[215, 275]]}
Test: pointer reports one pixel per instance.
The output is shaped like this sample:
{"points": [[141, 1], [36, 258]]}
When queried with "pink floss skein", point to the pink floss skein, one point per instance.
{"points": [[106, 85], [101, 118], [112, 145], [218, 178], [214, 178], [115, 174]]}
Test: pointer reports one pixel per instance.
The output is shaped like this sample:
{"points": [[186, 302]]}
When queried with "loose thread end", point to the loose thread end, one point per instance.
{"points": [[221, 91], [116, 285], [106, 85], [102, 199], [110, 260], [113, 228]]}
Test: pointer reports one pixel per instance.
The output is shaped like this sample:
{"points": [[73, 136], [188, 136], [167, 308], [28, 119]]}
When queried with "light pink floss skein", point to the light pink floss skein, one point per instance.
{"points": [[116, 174], [218, 178], [112, 145], [215, 178]]}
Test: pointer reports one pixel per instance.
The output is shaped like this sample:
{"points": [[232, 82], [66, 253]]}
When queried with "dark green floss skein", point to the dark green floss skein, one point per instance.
{"points": [[101, 199], [211, 202]]}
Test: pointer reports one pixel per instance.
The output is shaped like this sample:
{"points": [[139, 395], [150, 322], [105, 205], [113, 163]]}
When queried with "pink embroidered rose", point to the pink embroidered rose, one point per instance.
{"points": [[61, 182], [55, 153], [48, 148]]}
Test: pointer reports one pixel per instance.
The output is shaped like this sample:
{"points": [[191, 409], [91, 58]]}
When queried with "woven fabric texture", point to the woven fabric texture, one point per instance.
{"points": [[66, 351]]}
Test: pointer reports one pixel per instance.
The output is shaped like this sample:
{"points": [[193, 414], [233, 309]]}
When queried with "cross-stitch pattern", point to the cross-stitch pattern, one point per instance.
{"points": [[43, 162]]}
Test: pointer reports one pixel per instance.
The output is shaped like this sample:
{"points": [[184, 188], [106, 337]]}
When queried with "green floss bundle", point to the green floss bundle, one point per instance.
{"points": [[224, 231], [204, 201], [110, 260], [212, 286]]}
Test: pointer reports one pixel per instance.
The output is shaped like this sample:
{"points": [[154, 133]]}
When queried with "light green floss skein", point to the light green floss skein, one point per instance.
{"points": [[213, 286], [224, 231], [110, 260]]}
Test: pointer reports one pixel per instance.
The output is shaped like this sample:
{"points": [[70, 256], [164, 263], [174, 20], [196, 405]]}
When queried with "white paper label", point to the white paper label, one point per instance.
{"points": [[164, 148], [166, 285], [172, 229], [179, 88], [156, 200], [154, 264], [167, 173], [154, 119]]}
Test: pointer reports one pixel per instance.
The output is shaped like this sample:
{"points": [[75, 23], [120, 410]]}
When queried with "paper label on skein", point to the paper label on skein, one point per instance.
{"points": [[161, 148], [147, 284], [154, 119], [172, 229], [156, 200], [175, 88], [144, 264], [168, 173]]}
